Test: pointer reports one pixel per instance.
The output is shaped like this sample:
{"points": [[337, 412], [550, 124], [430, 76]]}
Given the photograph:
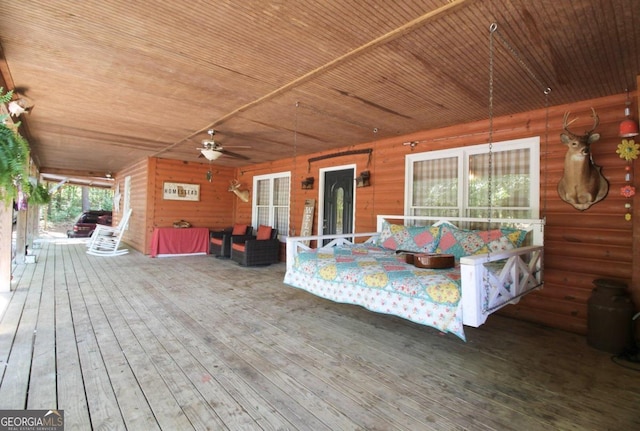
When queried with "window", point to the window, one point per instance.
{"points": [[271, 201], [455, 183]]}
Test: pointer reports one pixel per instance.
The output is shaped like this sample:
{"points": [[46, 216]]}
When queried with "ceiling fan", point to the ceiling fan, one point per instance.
{"points": [[212, 150]]}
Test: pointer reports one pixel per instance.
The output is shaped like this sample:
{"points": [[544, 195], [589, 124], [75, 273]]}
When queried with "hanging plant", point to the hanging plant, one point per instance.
{"points": [[14, 162], [38, 194]]}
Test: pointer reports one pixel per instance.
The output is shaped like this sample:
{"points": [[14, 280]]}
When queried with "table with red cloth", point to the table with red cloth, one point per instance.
{"points": [[179, 241]]}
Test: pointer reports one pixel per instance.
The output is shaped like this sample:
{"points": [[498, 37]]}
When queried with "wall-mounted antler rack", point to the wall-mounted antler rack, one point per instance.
{"points": [[368, 151]]}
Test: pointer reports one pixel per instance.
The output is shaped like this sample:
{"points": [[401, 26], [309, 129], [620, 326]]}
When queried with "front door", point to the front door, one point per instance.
{"points": [[338, 202]]}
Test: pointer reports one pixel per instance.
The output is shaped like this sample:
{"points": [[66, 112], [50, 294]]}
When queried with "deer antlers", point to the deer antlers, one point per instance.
{"points": [[566, 124]]}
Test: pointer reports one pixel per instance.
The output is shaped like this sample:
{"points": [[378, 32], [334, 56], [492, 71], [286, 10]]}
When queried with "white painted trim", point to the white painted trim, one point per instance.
{"points": [[254, 198], [463, 153]]}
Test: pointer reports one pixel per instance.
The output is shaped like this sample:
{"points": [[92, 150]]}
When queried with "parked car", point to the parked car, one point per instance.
{"points": [[86, 223]]}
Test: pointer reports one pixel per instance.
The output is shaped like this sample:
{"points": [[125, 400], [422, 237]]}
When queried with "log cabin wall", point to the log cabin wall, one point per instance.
{"points": [[215, 208], [243, 210], [150, 210], [580, 246], [135, 235]]}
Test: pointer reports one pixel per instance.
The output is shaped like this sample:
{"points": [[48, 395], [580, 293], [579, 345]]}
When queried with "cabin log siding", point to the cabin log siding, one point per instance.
{"points": [[135, 235], [580, 245], [215, 206], [214, 209]]}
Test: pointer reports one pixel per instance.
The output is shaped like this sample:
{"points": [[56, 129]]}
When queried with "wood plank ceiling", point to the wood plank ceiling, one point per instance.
{"points": [[117, 81]]}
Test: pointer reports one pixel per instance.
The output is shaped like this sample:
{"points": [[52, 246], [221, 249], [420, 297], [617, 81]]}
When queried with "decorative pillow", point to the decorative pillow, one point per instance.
{"points": [[385, 233], [462, 242], [239, 229], [264, 232], [422, 239]]}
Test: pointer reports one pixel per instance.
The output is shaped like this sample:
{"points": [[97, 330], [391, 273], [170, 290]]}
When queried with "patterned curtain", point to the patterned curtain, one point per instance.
{"points": [[509, 184], [272, 203], [281, 205], [435, 187], [263, 194]]}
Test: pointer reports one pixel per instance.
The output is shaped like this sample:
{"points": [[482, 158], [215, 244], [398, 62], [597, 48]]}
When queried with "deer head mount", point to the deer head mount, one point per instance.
{"points": [[582, 183], [234, 187]]}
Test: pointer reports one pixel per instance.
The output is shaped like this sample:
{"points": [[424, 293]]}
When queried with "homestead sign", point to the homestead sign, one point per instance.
{"points": [[181, 192]]}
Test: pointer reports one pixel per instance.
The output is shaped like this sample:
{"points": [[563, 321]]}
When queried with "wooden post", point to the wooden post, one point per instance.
{"points": [[6, 222], [21, 236]]}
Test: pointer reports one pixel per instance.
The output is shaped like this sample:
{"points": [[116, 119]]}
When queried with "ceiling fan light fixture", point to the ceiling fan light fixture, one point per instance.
{"points": [[210, 154]]}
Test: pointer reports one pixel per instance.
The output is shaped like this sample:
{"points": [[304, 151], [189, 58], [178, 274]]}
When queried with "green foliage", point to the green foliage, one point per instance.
{"points": [[4, 98], [14, 164], [38, 194], [101, 199], [511, 190], [14, 159], [66, 204], [509, 197]]}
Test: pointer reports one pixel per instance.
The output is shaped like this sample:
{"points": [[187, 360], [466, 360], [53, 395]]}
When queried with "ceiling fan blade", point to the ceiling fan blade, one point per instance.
{"points": [[236, 155]]}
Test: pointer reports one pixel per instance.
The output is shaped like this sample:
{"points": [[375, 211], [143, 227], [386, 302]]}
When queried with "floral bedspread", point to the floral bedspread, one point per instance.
{"points": [[379, 280]]}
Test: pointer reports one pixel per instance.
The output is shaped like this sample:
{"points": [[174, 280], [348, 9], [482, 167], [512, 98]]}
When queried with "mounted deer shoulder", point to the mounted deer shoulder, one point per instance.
{"points": [[582, 184], [235, 188]]}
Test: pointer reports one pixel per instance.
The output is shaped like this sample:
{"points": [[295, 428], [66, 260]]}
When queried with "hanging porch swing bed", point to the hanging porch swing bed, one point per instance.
{"points": [[496, 261], [495, 265]]}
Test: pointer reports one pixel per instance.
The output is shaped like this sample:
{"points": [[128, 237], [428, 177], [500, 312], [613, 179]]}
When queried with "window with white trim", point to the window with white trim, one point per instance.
{"points": [[271, 201], [455, 182]]}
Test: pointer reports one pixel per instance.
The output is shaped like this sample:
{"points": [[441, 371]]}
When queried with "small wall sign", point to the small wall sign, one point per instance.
{"points": [[307, 218], [181, 192]]}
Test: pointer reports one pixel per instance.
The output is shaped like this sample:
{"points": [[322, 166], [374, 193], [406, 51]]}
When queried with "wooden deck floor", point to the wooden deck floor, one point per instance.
{"points": [[136, 343]]}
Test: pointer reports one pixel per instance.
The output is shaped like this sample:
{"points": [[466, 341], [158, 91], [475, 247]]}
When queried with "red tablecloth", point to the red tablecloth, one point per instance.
{"points": [[171, 240]]}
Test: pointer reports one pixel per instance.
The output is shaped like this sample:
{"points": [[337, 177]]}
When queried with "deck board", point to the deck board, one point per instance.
{"points": [[354, 391], [165, 366], [364, 363], [101, 398], [131, 342], [237, 359], [215, 369], [70, 385], [15, 382], [42, 381], [113, 335]]}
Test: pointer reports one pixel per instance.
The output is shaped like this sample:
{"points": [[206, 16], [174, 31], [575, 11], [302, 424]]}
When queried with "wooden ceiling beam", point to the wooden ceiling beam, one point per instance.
{"points": [[73, 173]]}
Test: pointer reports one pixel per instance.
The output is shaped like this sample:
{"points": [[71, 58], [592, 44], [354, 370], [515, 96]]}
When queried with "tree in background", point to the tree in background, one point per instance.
{"points": [[66, 203]]}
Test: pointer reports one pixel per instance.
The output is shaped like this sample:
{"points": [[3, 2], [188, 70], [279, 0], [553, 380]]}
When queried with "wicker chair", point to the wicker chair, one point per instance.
{"points": [[220, 241], [261, 249]]}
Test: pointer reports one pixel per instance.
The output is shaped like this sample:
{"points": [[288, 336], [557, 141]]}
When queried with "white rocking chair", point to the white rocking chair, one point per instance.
{"points": [[106, 239]]}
